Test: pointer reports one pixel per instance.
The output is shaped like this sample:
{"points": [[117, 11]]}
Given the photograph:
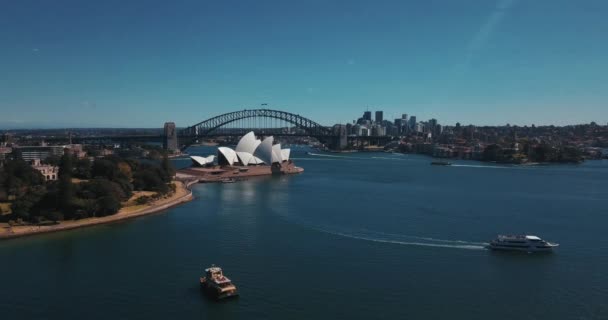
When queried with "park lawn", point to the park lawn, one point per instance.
{"points": [[129, 209], [135, 196]]}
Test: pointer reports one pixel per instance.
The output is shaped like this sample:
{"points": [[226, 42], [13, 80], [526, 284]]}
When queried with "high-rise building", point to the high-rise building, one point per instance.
{"points": [[367, 115], [433, 127], [170, 137], [404, 116], [379, 117], [413, 123]]}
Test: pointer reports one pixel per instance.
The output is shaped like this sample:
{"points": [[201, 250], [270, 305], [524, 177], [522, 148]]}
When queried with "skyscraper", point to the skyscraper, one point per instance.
{"points": [[367, 115], [433, 127], [379, 117], [170, 137], [413, 122]]}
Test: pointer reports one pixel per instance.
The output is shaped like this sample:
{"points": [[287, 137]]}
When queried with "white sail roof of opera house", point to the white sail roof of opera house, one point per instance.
{"points": [[264, 150], [285, 154], [229, 154], [203, 161], [248, 143], [277, 155], [252, 151], [246, 147]]}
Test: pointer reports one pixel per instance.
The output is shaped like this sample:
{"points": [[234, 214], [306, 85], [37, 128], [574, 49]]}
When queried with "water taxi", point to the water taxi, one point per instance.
{"points": [[527, 243], [218, 285]]}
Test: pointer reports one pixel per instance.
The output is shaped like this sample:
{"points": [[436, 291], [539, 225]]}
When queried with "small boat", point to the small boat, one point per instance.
{"points": [[441, 163], [228, 180], [527, 243], [217, 285]]}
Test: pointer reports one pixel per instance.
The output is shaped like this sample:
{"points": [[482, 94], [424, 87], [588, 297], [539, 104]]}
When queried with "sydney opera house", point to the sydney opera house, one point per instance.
{"points": [[249, 151]]}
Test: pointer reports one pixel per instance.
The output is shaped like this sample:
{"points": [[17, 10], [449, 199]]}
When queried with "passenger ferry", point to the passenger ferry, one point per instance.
{"points": [[528, 243], [218, 285]]}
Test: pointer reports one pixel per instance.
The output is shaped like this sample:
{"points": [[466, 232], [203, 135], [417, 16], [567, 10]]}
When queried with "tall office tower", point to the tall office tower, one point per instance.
{"points": [[367, 115], [170, 137], [413, 122], [379, 117]]}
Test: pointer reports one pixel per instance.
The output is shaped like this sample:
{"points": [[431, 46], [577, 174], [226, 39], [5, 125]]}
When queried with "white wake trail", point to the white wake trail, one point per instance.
{"points": [[435, 243]]}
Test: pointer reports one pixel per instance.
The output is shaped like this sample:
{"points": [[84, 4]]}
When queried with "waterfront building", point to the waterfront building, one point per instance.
{"points": [[170, 137], [365, 132], [31, 153], [202, 161], [378, 131], [432, 124], [379, 117], [252, 151], [76, 150], [412, 123], [4, 151], [246, 148], [50, 173], [399, 124]]}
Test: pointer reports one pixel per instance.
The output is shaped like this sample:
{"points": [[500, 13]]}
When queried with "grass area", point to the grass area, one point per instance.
{"points": [[5, 207], [136, 195], [129, 209]]}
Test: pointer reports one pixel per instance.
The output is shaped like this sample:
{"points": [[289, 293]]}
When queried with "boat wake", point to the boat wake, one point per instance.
{"points": [[327, 155], [389, 158], [436, 243], [480, 166], [390, 238], [335, 156], [313, 159], [408, 240]]}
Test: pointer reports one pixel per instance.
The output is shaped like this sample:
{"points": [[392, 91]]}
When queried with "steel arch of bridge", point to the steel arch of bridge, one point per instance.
{"points": [[206, 127]]}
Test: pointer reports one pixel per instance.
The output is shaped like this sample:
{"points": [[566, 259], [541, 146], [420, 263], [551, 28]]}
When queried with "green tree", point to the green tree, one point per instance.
{"points": [[65, 186], [23, 206], [16, 176], [83, 169], [107, 205], [167, 167], [150, 179], [492, 152]]}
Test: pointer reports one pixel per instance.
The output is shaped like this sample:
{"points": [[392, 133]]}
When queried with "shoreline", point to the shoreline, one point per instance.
{"points": [[182, 194]]}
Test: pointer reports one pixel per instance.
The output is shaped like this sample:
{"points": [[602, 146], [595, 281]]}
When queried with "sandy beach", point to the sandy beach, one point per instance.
{"points": [[182, 194]]}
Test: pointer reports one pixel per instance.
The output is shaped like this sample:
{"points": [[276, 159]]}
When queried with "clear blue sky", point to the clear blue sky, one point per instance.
{"points": [[141, 63]]}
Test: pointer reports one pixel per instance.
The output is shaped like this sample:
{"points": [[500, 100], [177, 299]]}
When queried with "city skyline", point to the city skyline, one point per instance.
{"points": [[474, 62]]}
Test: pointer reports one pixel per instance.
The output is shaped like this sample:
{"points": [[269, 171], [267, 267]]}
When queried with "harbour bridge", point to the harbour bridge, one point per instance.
{"points": [[264, 122]]}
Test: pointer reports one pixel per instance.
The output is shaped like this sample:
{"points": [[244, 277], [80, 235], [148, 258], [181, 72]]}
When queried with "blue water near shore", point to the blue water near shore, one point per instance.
{"points": [[356, 236]]}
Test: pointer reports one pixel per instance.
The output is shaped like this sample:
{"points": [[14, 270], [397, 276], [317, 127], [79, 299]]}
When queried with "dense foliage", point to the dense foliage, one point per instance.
{"points": [[102, 186], [16, 178], [538, 153]]}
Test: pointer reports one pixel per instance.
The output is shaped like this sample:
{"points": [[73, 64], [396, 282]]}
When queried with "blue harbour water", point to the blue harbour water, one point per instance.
{"points": [[356, 236]]}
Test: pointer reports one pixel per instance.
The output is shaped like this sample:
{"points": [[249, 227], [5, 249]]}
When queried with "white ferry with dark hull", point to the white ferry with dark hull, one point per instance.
{"points": [[527, 243]]}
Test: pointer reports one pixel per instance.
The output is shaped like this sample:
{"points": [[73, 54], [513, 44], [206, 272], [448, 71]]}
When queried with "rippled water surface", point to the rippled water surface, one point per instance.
{"points": [[356, 236]]}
